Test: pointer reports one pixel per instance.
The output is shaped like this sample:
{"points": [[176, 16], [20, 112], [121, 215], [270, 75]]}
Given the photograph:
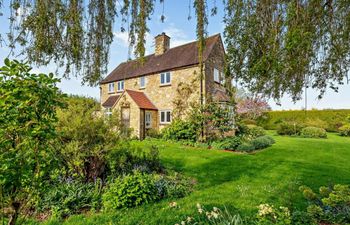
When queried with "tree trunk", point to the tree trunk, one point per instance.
{"points": [[14, 216]]}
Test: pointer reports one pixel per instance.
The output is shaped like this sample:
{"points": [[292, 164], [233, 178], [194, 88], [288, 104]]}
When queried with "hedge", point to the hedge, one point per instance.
{"points": [[329, 119]]}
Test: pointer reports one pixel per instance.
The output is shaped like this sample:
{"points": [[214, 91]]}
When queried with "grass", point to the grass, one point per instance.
{"points": [[240, 181]]}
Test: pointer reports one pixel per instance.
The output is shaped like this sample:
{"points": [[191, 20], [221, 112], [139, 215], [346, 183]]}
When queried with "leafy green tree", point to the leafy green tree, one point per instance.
{"points": [[28, 107]]}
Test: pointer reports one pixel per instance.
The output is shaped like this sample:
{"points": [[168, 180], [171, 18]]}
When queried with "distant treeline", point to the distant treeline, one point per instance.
{"points": [[329, 119]]}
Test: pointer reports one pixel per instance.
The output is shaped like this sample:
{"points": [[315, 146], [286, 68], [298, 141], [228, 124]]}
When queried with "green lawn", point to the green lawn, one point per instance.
{"points": [[241, 181]]}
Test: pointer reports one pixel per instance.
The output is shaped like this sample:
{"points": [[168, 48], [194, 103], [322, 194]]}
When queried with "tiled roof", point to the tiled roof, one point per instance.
{"points": [[111, 101], [177, 57], [141, 100]]}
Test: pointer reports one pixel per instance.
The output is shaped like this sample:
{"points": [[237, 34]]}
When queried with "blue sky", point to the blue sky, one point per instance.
{"points": [[181, 30]]}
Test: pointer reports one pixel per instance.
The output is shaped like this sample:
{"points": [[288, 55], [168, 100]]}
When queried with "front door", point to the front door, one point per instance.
{"points": [[148, 120]]}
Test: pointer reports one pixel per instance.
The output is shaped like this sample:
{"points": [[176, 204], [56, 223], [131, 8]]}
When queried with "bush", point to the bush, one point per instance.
{"points": [[153, 133], [289, 128], [254, 132], [313, 132], [331, 205], [345, 130], [262, 142], [246, 147], [180, 130], [130, 191], [125, 158], [174, 186], [70, 197], [230, 143]]}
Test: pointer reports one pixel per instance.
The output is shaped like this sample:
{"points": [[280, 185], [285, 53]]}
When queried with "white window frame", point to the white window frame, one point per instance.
{"points": [[109, 87], [148, 120], [165, 74], [216, 75], [108, 111], [166, 121], [120, 86], [144, 82]]}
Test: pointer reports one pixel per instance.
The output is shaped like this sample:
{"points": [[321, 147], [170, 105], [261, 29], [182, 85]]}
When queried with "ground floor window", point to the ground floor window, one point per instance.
{"points": [[165, 116], [108, 112]]}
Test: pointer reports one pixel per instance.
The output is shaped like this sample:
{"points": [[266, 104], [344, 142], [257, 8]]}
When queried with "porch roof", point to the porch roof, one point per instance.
{"points": [[141, 100], [111, 100]]}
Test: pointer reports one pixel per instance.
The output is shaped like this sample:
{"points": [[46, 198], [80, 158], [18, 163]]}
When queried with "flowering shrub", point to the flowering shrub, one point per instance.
{"points": [[313, 132], [268, 214], [215, 216], [254, 132]]}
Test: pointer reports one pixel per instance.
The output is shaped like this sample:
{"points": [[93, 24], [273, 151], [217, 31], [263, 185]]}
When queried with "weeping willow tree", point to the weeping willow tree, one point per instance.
{"points": [[278, 47], [274, 47]]}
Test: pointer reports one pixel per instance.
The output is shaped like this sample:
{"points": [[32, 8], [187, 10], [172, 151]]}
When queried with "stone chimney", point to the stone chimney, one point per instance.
{"points": [[162, 43]]}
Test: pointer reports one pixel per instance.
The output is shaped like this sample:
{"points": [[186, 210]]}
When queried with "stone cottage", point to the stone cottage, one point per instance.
{"points": [[145, 94]]}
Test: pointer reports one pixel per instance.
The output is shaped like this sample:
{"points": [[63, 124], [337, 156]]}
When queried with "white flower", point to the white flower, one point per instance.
{"points": [[215, 209], [183, 223], [172, 204], [215, 215], [200, 210], [199, 206], [189, 219]]}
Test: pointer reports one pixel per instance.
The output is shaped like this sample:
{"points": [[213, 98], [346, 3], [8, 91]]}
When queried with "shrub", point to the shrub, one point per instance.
{"points": [[313, 132], [153, 133], [246, 147], [230, 143], [270, 215], [331, 205], [129, 191], [345, 130], [254, 132], [289, 128], [70, 197], [262, 142], [316, 122], [125, 158], [174, 186], [180, 130]]}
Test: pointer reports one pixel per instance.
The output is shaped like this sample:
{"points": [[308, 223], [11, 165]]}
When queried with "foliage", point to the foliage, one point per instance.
{"points": [[246, 147], [214, 217], [268, 214], [345, 130], [331, 205], [85, 139], [28, 106], [173, 186], [273, 44], [181, 130], [289, 128], [253, 132], [69, 197], [130, 191], [152, 133], [124, 158], [215, 118], [313, 132], [262, 142], [329, 119], [229, 143]]}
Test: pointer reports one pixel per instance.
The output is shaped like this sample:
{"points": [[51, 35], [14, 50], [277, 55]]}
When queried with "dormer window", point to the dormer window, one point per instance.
{"points": [[120, 86], [110, 87], [216, 75], [165, 78], [142, 82]]}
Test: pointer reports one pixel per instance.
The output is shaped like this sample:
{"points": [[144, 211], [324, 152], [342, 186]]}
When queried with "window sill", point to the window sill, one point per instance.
{"points": [[142, 88], [164, 123], [120, 91], [112, 92], [165, 85]]}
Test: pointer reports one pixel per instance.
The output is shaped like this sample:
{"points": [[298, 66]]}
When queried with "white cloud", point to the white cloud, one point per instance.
{"points": [[123, 38], [178, 36]]}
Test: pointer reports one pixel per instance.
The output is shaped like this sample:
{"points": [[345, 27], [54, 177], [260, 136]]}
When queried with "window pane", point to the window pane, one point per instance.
{"points": [[122, 85], [142, 81], [168, 77], [168, 116], [162, 78], [162, 116]]}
